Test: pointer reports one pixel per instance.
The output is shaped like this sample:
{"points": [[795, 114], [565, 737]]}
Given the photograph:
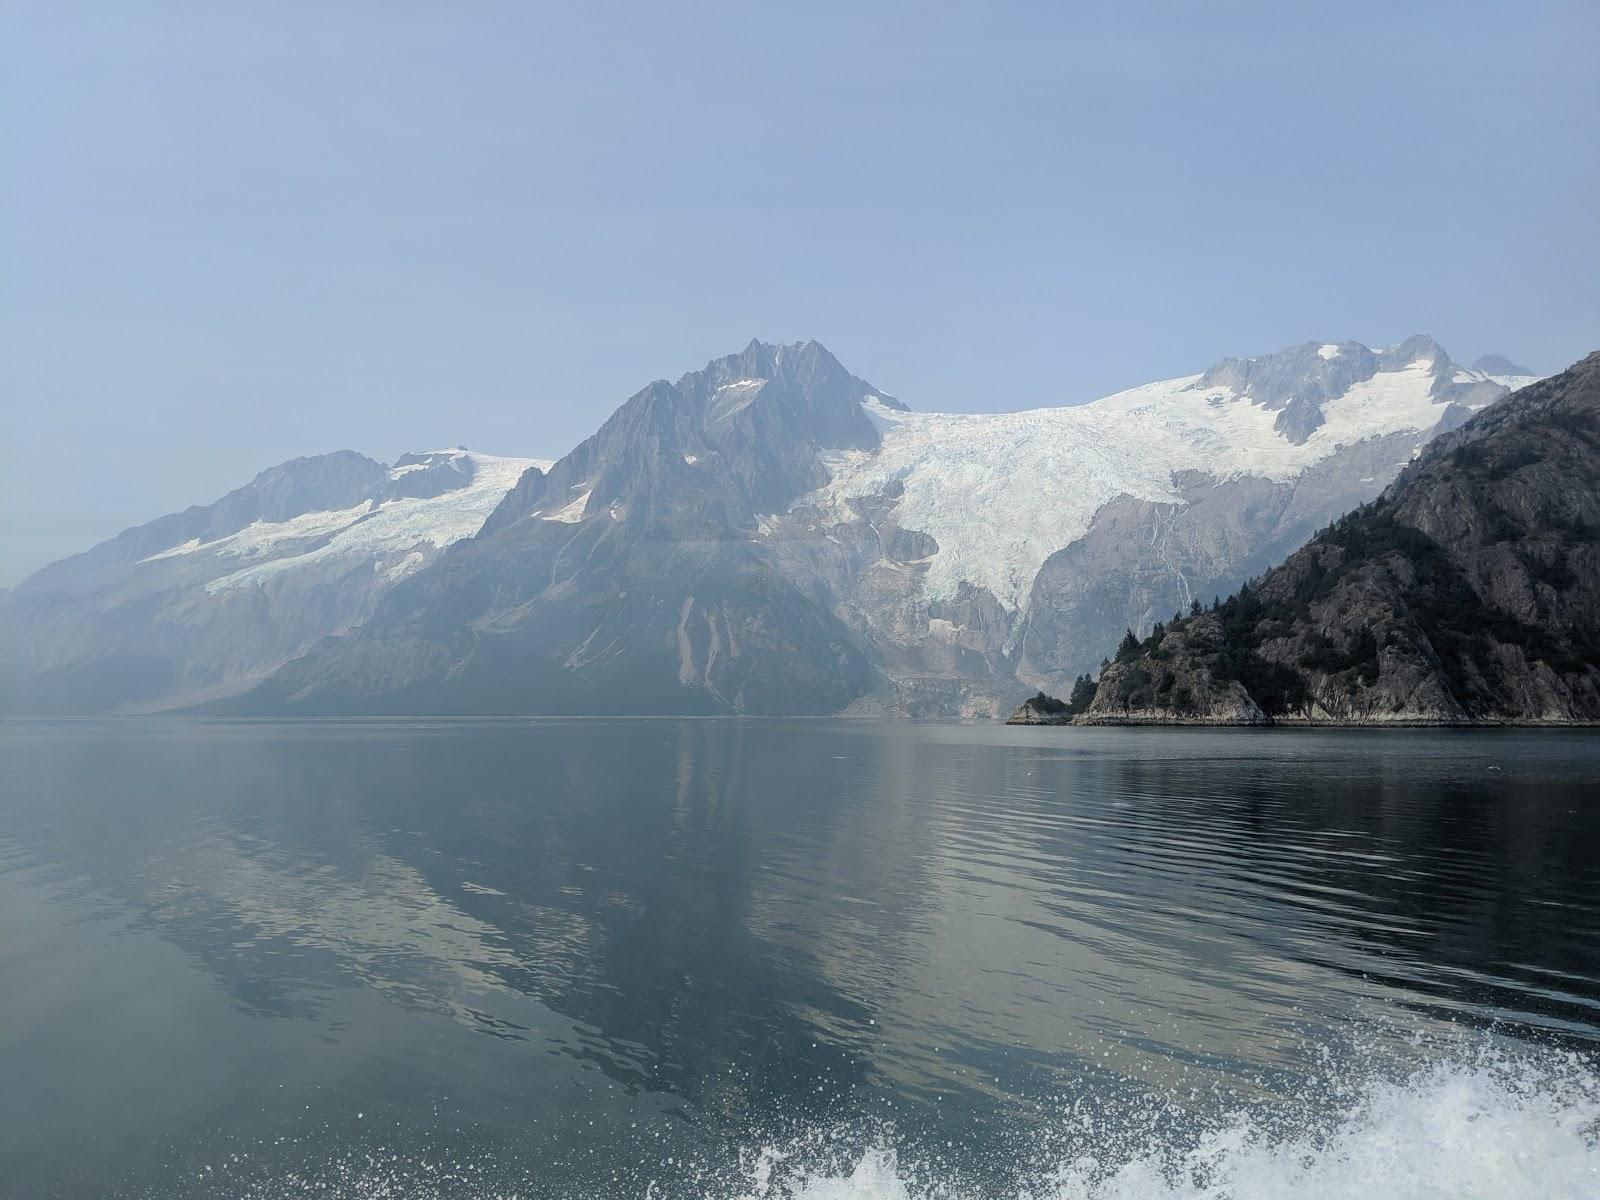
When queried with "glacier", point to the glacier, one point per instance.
{"points": [[1001, 492]]}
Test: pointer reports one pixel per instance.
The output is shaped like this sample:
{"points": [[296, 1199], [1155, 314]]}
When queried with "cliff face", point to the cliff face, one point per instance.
{"points": [[1468, 593]]}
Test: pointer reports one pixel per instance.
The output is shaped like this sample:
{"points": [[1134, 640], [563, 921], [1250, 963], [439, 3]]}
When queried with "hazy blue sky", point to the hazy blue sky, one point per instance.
{"points": [[231, 233]]}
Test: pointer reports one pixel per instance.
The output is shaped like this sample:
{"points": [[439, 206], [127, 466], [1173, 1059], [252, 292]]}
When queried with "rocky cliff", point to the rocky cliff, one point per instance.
{"points": [[1468, 593]]}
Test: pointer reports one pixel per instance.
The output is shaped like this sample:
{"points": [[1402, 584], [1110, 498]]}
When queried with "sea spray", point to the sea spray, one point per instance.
{"points": [[1482, 1120], [1498, 1126]]}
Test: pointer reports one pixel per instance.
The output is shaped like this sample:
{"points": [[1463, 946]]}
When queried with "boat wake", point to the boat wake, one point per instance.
{"points": [[1495, 1128], [1491, 1125]]}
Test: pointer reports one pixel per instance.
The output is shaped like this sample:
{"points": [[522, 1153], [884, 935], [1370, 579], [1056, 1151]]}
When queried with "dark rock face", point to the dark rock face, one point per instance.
{"points": [[1141, 562], [1041, 710], [1468, 593]]}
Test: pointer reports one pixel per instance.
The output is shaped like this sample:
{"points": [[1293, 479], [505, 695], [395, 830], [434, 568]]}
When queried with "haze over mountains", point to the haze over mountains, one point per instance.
{"points": [[770, 534]]}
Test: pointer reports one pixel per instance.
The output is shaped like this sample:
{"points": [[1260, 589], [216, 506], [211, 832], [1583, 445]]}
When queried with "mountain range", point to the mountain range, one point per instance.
{"points": [[770, 534]]}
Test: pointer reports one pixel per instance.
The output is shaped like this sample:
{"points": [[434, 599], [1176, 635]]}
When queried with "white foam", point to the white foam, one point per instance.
{"points": [[1484, 1130]]}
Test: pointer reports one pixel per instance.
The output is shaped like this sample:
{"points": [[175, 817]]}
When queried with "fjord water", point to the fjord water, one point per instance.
{"points": [[831, 959]]}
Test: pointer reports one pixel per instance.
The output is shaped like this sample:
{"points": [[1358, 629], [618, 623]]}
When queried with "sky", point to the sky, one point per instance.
{"points": [[235, 233]]}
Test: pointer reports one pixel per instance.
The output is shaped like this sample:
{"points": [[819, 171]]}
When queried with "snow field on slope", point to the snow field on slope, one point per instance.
{"points": [[1002, 492], [368, 532]]}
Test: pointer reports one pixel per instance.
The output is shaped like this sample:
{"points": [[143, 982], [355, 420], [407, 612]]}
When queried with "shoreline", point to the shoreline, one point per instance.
{"points": [[1309, 723]]}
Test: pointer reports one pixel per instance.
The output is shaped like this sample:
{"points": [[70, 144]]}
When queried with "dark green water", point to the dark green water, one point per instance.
{"points": [[629, 958]]}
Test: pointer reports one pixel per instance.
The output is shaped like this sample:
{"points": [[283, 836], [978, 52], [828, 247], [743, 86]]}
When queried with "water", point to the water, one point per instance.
{"points": [[821, 959]]}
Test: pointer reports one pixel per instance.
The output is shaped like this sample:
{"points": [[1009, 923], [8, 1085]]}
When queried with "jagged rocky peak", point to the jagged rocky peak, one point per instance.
{"points": [[1415, 349], [767, 413], [803, 371], [1295, 382], [430, 473], [741, 436]]}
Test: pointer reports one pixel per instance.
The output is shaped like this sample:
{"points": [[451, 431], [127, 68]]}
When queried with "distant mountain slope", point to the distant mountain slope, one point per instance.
{"points": [[208, 601], [1500, 368], [1468, 593]]}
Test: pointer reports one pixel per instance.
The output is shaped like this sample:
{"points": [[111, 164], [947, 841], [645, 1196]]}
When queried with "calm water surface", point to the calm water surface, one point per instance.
{"points": [[674, 959]]}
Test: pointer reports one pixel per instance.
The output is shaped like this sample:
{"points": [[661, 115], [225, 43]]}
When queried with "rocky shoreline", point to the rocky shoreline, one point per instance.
{"points": [[1167, 721]]}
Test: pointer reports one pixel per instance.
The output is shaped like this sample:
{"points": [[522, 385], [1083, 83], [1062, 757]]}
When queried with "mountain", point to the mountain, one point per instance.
{"points": [[209, 601], [633, 575], [1501, 368], [770, 534], [1468, 593]]}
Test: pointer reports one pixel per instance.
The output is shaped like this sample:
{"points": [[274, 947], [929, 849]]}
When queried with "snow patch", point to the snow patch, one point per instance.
{"points": [[1328, 352], [406, 565], [572, 513], [1514, 382], [185, 548], [1389, 402]]}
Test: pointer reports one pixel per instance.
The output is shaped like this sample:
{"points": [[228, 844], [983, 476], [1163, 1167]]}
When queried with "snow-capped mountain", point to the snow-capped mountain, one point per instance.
{"points": [[1503, 371], [769, 534], [209, 601]]}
